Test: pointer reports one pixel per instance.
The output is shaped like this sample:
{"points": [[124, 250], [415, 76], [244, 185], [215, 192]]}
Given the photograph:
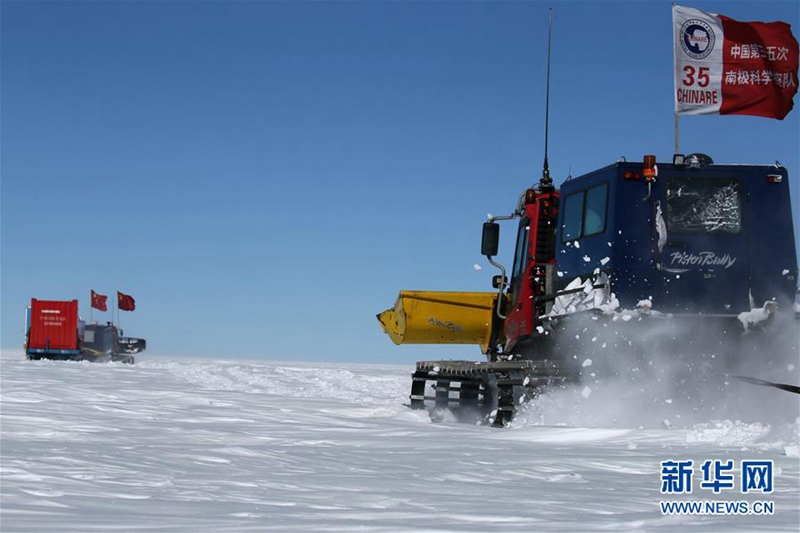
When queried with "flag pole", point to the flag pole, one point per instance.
{"points": [[676, 134], [674, 58], [91, 305]]}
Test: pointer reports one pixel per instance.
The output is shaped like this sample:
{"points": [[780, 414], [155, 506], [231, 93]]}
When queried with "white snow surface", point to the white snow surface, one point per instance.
{"points": [[227, 446], [590, 298]]}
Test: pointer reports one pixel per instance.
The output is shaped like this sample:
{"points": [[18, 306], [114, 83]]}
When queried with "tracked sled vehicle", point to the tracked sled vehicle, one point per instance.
{"points": [[55, 331], [694, 256]]}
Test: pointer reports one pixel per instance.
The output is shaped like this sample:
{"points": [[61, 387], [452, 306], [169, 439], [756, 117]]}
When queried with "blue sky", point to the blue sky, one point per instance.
{"points": [[264, 177]]}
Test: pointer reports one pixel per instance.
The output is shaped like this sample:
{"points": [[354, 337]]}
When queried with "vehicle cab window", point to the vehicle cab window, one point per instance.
{"points": [[585, 213], [573, 217], [520, 257], [704, 205]]}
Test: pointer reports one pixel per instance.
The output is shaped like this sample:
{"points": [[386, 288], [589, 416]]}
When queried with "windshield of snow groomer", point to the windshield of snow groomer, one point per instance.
{"points": [[520, 255], [521, 249]]}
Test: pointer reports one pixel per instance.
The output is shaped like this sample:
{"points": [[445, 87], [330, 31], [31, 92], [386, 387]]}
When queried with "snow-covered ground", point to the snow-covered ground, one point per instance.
{"points": [[201, 445]]}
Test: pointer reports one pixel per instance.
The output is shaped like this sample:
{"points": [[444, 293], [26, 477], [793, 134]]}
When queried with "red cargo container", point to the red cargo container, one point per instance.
{"points": [[53, 327]]}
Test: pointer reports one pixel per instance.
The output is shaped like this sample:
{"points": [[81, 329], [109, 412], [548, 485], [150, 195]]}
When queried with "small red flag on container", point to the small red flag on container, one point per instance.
{"points": [[99, 301], [727, 67], [125, 302]]}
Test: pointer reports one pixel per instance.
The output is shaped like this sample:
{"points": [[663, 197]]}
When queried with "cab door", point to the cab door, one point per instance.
{"points": [[519, 313]]}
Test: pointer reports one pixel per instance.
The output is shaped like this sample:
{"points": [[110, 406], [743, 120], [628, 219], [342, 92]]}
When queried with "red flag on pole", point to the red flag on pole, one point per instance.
{"points": [[99, 301], [727, 67], [125, 302]]}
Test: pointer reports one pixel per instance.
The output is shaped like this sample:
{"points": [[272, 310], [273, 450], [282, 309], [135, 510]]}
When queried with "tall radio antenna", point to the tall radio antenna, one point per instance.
{"points": [[546, 181]]}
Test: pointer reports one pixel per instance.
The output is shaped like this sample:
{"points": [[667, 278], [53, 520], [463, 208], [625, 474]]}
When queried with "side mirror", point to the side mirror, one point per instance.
{"points": [[490, 239]]}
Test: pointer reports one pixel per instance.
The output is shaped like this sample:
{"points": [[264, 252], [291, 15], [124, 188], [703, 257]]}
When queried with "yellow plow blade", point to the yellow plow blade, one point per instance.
{"points": [[425, 317]]}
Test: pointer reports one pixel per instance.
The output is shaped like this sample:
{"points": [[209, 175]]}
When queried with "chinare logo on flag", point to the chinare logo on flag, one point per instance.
{"points": [[727, 67]]}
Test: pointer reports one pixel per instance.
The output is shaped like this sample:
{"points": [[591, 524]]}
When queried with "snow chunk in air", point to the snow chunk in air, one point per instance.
{"points": [[757, 315]]}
